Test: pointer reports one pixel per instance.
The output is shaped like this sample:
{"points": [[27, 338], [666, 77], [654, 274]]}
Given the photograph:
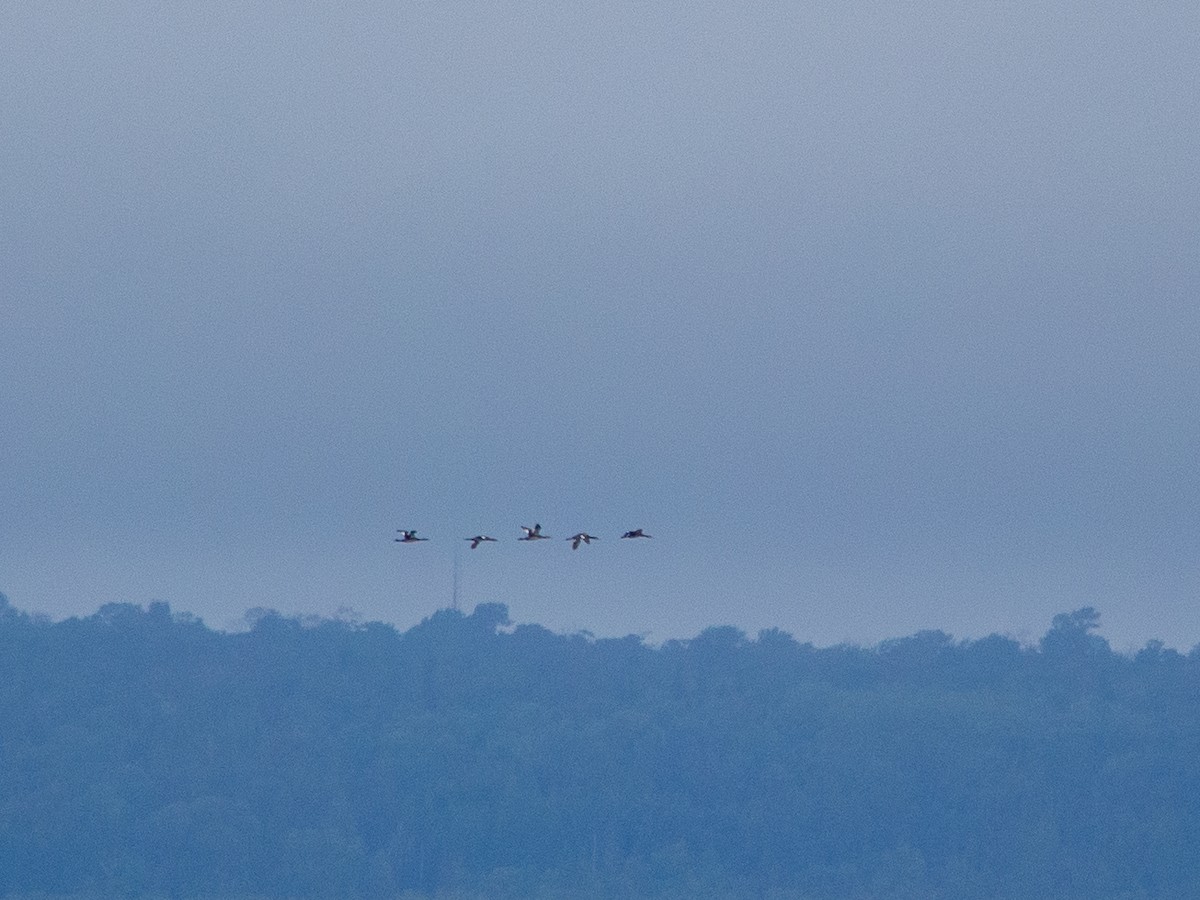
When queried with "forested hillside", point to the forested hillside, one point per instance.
{"points": [[143, 754]]}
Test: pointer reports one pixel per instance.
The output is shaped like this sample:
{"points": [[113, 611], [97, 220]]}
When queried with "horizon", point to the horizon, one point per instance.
{"points": [[353, 618]]}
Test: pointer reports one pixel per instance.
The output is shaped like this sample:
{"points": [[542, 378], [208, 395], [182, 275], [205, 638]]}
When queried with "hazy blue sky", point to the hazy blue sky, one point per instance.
{"points": [[880, 316]]}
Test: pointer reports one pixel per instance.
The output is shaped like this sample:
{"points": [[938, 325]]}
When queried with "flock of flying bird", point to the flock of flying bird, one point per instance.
{"points": [[531, 534]]}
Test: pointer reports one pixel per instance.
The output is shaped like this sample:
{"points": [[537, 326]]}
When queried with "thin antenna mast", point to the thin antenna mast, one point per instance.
{"points": [[454, 589]]}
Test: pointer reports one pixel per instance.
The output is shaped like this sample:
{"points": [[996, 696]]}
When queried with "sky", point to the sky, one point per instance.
{"points": [[879, 316]]}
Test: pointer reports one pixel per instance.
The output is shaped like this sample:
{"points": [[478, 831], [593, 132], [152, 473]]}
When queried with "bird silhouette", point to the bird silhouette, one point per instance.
{"points": [[533, 534], [479, 539], [636, 533], [582, 538], [408, 537]]}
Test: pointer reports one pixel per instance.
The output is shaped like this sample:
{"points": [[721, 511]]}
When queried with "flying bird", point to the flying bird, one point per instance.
{"points": [[408, 537], [479, 539], [636, 533], [533, 534], [582, 538]]}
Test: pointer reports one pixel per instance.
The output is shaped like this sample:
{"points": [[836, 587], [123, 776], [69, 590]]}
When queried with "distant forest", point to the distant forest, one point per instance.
{"points": [[143, 754]]}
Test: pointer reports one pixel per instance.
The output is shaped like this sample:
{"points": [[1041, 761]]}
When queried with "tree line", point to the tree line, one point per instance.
{"points": [[143, 754]]}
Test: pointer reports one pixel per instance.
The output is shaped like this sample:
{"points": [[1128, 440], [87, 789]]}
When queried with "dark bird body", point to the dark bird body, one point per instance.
{"points": [[582, 538]]}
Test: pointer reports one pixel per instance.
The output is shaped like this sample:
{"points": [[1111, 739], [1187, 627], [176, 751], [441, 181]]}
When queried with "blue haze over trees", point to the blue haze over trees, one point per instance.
{"points": [[144, 754]]}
